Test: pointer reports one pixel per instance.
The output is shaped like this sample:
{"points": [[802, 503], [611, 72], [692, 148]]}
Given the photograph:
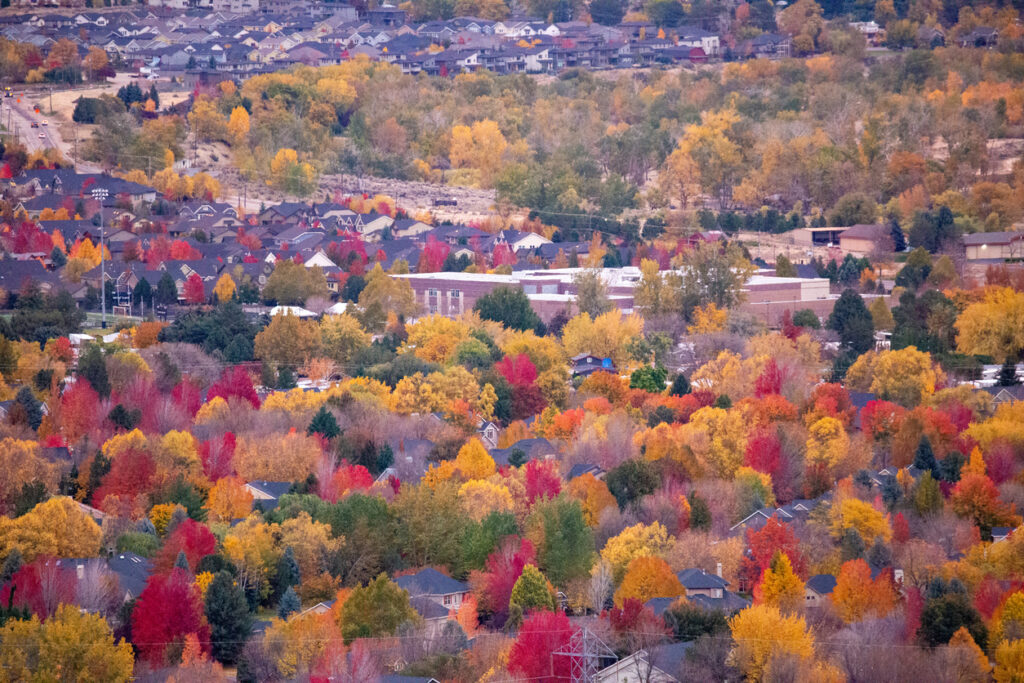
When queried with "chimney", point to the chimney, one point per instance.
{"points": [[718, 569]]}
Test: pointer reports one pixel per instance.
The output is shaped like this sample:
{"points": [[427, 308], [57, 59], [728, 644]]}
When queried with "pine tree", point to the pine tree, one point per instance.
{"points": [[1008, 374], [8, 356], [229, 617], [33, 408], [57, 258], [927, 496], [166, 291], [288, 574], [285, 378], [155, 96], [924, 457], [324, 424], [92, 367], [182, 562], [289, 603], [531, 590], [851, 546]]}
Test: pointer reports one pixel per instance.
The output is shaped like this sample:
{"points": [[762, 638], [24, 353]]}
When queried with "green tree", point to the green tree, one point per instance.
{"points": [[852, 209], [32, 406], [805, 317], [632, 480], [784, 267], [375, 610], [324, 424], [852, 320], [166, 290], [292, 283], [607, 12], [1008, 374], [289, 603], [927, 495], [510, 307], [924, 456], [944, 615], [680, 386], [649, 379], [700, 512], [591, 292], [531, 591], [230, 620], [92, 367], [565, 543]]}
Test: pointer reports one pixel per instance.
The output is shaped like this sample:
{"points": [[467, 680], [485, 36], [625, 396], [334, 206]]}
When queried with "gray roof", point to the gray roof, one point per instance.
{"points": [[427, 608], [822, 584], [132, 571], [698, 579], [729, 602], [429, 581]]}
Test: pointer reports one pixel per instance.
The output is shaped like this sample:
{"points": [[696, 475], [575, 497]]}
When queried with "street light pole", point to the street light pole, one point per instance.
{"points": [[100, 194]]}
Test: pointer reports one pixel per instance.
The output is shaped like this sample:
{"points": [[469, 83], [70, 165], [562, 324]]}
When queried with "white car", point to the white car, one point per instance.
{"points": [[42, 135], [46, 123]]}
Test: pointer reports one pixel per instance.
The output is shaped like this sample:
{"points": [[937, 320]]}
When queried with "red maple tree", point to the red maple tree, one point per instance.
{"points": [[169, 608]]}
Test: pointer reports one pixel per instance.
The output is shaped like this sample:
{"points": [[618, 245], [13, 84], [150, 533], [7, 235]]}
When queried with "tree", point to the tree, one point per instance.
{"points": [[648, 577], [906, 376], [764, 543], [943, 616], [168, 609], [195, 290], [761, 632], [852, 513], [992, 326], [852, 320], [473, 460], [289, 603], [779, 586], [542, 634], [1009, 661], [784, 267], [649, 379], [31, 405], [93, 368], [510, 307], [57, 527], [1008, 374], [561, 536], [591, 292], [288, 340], [374, 610], [966, 659], [225, 288], [977, 498], [881, 314], [714, 275], [852, 209], [290, 175], [639, 540], [71, 645], [238, 125], [531, 591], [632, 480], [857, 596], [607, 12], [680, 386], [324, 424], [166, 290], [292, 283], [343, 337], [227, 612]]}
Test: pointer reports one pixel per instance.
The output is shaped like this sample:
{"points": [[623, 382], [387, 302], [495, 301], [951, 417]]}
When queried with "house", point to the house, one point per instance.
{"points": [[660, 665], [585, 364], [864, 240], [1001, 533], [984, 246], [581, 468], [982, 36], [524, 450], [818, 588], [710, 591], [433, 585], [488, 433], [434, 614], [266, 494]]}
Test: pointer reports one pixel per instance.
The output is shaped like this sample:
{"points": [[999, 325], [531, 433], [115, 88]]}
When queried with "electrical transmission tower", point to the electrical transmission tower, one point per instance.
{"points": [[586, 652]]}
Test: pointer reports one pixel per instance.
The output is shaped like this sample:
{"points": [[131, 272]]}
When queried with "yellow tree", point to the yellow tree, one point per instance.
{"points": [[22, 464], [593, 495], [718, 439], [206, 120], [311, 542], [761, 631], [251, 547], [827, 443], [993, 326], [72, 645], [479, 498], [648, 577], [480, 147], [609, 335], [238, 125], [57, 527], [852, 513], [473, 460], [384, 294], [905, 376], [1010, 662], [639, 540], [343, 337], [279, 457], [965, 660], [780, 587], [228, 499], [288, 339], [708, 319]]}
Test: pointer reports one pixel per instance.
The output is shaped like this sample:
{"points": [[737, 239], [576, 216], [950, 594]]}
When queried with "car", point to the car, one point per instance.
{"points": [[46, 123], [42, 135], [34, 124]]}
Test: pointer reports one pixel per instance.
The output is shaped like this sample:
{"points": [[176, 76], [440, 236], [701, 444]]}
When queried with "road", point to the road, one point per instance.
{"points": [[18, 117]]}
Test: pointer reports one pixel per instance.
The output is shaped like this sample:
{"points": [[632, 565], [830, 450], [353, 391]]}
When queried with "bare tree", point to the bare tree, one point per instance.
{"points": [[600, 588]]}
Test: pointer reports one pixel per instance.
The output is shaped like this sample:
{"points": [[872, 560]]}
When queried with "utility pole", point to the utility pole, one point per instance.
{"points": [[100, 194]]}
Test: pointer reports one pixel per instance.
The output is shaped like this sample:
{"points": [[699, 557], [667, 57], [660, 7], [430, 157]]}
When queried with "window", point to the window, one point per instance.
{"points": [[432, 292], [454, 293], [447, 600]]}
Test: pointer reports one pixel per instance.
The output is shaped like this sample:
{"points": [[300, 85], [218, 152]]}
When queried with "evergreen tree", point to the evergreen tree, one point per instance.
{"points": [[11, 565], [385, 457], [154, 95], [8, 357], [289, 603], [924, 457], [181, 562], [680, 386], [531, 590], [143, 293], [927, 495], [92, 367], [287, 572], [1008, 374], [229, 617], [324, 424], [57, 258], [33, 407], [700, 513], [879, 554], [166, 290], [98, 469], [899, 240], [853, 321], [285, 378]]}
